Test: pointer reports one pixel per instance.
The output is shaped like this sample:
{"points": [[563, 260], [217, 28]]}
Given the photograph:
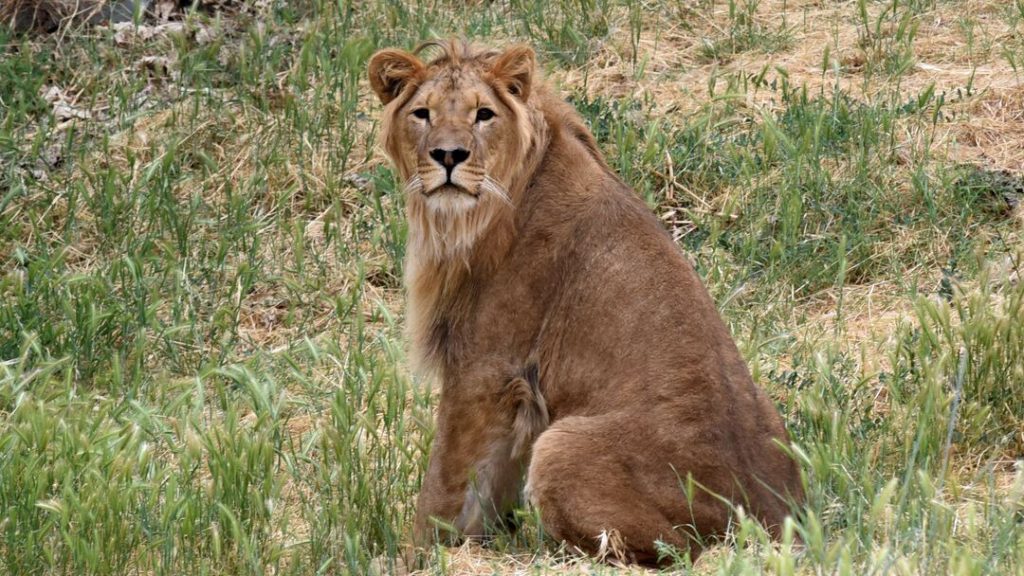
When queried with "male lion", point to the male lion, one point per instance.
{"points": [[575, 344]]}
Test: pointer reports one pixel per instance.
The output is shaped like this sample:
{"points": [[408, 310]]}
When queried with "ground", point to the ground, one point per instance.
{"points": [[202, 360]]}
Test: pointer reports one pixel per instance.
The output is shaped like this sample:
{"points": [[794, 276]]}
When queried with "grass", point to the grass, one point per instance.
{"points": [[202, 363], [744, 32]]}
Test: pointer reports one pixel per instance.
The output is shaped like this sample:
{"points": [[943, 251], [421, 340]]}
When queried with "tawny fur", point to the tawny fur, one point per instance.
{"points": [[576, 347]]}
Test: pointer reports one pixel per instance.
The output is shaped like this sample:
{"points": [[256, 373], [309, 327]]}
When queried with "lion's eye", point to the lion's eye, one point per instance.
{"points": [[421, 113], [483, 114]]}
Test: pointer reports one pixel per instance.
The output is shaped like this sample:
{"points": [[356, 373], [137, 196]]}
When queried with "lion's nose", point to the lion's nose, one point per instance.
{"points": [[449, 158]]}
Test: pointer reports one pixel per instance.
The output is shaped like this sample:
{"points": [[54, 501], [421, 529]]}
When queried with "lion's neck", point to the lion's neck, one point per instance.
{"points": [[439, 287]]}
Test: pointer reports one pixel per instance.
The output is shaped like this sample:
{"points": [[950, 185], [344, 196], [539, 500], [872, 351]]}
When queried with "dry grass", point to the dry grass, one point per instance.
{"points": [[988, 114], [50, 14]]}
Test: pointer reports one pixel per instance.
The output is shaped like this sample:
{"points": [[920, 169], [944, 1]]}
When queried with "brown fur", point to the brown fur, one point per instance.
{"points": [[575, 345]]}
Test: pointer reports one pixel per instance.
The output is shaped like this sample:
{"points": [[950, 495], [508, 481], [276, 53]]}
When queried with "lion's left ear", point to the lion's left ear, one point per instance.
{"points": [[391, 71], [514, 69]]}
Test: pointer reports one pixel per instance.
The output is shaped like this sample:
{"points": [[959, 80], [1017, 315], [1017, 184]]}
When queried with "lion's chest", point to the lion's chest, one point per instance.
{"points": [[484, 322]]}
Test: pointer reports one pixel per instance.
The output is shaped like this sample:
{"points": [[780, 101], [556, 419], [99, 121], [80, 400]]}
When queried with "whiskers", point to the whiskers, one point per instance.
{"points": [[414, 184], [488, 187], [494, 188]]}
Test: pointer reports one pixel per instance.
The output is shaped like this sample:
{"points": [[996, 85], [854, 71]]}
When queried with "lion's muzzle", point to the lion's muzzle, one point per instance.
{"points": [[449, 158]]}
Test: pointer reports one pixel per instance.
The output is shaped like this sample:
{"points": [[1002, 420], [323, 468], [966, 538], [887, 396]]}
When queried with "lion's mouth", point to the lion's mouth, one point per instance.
{"points": [[449, 188], [488, 187]]}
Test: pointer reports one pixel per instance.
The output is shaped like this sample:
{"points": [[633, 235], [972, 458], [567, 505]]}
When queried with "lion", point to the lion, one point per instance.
{"points": [[583, 366]]}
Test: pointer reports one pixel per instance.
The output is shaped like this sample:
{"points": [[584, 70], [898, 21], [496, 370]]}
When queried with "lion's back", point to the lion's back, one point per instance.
{"points": [[637, 330]]}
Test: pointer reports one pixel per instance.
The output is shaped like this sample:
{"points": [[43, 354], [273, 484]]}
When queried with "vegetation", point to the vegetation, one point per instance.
{"points": [[202, 362]]}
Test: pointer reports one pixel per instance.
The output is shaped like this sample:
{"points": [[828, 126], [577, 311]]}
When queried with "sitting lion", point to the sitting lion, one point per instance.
{"points": [[576, 346]]}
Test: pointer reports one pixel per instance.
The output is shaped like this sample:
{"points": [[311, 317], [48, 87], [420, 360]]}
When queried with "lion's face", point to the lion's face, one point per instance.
{"points": [[453, 130], [458, 131]]}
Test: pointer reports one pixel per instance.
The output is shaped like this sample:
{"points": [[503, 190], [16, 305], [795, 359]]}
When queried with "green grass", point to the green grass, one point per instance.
{"points": [[202, 363]]}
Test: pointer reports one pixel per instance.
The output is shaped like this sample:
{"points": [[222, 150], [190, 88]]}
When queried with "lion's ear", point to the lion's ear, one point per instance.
{"points": [[391, 70], [514, 69]]}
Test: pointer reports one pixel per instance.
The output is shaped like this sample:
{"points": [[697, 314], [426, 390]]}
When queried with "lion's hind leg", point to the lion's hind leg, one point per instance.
{"points": [[592, 491]]}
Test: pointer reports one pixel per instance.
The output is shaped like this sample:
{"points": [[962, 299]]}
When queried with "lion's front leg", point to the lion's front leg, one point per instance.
{"points": [[465, 427], [472, 503], [478, 462], [441, 495]]}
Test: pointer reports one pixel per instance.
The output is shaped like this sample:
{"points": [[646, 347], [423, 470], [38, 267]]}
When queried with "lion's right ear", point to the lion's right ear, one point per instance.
{"points": [[391, 70], [514, 68]]}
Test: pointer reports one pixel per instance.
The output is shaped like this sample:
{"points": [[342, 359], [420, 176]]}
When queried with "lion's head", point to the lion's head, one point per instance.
{"points": [[461, 131]]}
